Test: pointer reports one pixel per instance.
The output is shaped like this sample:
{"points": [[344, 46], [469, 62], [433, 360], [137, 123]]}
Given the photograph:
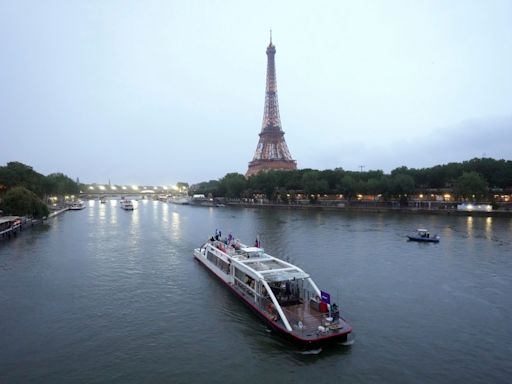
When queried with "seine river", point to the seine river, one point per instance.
{"points": [[105, 295]]}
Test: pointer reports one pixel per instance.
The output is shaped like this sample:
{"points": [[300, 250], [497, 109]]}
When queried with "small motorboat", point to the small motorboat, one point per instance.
{"points": [[423, 235]]}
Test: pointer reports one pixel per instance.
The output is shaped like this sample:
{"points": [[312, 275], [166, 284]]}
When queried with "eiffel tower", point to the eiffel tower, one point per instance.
{"points": [[272, 152]]}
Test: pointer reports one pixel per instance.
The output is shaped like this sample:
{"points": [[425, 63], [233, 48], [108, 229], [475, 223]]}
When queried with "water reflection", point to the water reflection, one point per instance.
{"points": [[175, 225], [488, 227], [113, 211], [469, 226], [165, 214]]}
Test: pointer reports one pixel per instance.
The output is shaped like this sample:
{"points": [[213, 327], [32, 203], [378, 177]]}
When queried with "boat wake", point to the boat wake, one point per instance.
{"points": [[311, 352], [350, 341]]}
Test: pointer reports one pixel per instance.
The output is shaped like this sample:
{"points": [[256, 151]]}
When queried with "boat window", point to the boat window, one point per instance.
{"points": [[217, 261]]}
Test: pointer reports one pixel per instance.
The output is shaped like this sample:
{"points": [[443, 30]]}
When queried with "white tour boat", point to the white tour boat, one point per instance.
{"points": [[77, 205], [282, 294], [127, 205], [180, 200]]}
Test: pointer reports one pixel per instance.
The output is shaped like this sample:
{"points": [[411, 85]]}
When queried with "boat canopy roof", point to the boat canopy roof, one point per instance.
{"points": [[270, 268], [422, 230]]}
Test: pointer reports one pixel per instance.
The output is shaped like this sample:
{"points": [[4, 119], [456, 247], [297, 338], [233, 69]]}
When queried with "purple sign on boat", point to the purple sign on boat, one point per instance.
{"points": [[326, 298]]}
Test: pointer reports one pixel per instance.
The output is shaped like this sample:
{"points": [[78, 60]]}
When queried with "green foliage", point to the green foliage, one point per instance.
{"points": [[208, 187], [18, 174], [60, 184], [22, 202], [402, 184], [313, 183], [232, 185], [275, 185], [469, 184]]}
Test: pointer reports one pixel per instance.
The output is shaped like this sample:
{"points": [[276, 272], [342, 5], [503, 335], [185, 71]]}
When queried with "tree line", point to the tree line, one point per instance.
{"points": [[468, 179], [23, 190]]}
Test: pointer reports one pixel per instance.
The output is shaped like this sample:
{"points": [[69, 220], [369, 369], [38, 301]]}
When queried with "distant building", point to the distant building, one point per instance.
{"points": [[272, 152]]}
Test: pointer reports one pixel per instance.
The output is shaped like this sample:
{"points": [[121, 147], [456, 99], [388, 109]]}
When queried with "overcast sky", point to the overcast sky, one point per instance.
{"points": [[156, 92]]}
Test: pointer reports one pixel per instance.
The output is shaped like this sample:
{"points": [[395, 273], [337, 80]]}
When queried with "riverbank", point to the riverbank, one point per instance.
{"points": [[57, 212], [13, 225], [379, 209]]}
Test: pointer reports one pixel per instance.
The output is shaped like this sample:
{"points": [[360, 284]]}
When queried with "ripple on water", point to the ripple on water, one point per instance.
{"points": [[107, 295]]}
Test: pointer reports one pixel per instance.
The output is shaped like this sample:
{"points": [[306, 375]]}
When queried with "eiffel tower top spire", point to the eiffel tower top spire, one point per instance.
{"points": [[272, 151]]}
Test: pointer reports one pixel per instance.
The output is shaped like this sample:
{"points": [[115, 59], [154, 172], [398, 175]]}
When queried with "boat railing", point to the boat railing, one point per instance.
{"points": [[302, 325], [307, 322], [245, 288]]}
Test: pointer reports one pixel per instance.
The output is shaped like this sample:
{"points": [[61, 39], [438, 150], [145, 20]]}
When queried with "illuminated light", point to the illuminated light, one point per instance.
{"points": [[175, 187], [421, 195], [113, 187], [102, 187], [134, 187], [91, 187], [123, 187], [488, 208], [447, 196], [165, 187], [469, 207]]}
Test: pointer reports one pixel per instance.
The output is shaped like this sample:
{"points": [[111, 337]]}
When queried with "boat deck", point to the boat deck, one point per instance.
{"points": [[309, 317]]}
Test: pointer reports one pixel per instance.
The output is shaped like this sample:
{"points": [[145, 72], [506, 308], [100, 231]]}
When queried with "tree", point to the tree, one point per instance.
{"points": [[22, 202], [60, 184], [206, 187], [19, 174], [182, 186], [469, 184], [347, 185], [233, 185], [402, 184], [313, 183]]}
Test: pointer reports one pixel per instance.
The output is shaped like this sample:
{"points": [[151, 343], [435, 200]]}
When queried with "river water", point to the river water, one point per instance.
{"points": [[106, 295]]}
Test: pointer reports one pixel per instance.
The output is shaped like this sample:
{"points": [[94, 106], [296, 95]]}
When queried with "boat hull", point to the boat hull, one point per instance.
{"points": [[423, 239], [275, 325]]}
